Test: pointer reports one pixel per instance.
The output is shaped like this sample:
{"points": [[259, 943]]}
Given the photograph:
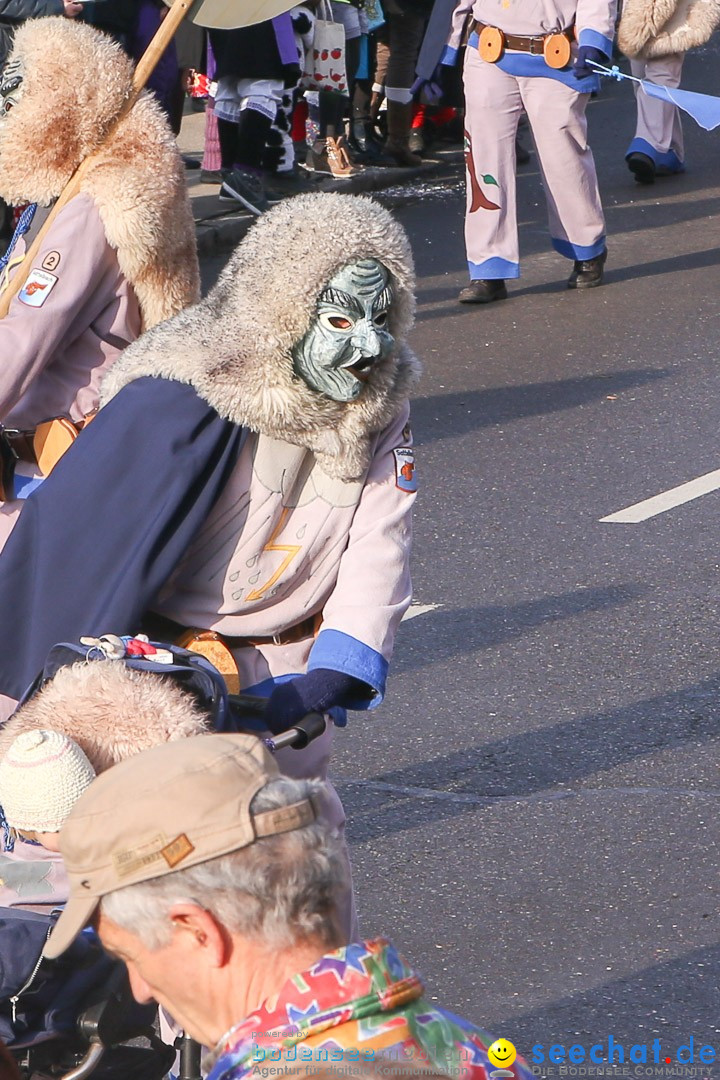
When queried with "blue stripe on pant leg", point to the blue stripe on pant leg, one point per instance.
{"points": [[667, 159], [579, 251], [493, 269]]}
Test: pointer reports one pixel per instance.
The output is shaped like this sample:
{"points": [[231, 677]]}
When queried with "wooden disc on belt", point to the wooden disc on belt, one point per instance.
{"points": [[51, 440], [491, 44], [213, 648], [556, 50]]}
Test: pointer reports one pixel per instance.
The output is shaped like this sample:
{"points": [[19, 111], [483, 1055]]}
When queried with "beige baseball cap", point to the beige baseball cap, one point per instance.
{"points": [[165, 809]]}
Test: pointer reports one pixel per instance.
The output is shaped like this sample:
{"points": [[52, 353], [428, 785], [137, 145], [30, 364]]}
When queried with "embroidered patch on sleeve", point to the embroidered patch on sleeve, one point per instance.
{"points": [[405, 477], [37, 288]]}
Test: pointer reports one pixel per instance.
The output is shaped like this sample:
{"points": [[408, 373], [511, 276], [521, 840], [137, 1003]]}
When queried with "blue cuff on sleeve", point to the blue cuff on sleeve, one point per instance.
{"points": [[25, 485], [597, 40], [449, 56], [341, 652]]}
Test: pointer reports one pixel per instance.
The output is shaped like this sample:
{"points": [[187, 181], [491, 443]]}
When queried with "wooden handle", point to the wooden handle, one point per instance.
{"points": [[142, 73], [163, 36]]}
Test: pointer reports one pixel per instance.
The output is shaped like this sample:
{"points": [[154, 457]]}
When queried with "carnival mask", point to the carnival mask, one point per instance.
{"points": [[10, 86], [349, 332]]}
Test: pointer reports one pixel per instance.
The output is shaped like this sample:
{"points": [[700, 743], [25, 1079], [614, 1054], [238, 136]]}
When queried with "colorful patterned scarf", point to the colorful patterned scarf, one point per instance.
{"points": [[358, 1002]]}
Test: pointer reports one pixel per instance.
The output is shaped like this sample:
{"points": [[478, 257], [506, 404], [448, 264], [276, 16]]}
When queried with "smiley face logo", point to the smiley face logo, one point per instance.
{"points": [[502, 1053]]}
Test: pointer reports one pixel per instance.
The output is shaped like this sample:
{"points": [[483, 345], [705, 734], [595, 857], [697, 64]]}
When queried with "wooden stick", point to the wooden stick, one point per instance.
{"points": [[143, 71]]}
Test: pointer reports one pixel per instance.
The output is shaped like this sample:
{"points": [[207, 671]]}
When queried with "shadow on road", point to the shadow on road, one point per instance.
{"points": [[532, 763], [457, 632], [635, 1010], [446, 416]]}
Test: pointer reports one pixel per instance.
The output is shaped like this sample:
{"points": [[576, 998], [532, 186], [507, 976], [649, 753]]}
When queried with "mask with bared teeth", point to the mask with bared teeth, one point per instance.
{"points": [[349, 333]]}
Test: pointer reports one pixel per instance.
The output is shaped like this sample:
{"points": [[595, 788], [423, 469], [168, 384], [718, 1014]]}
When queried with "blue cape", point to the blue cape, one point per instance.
{"points": [[101, 536]]}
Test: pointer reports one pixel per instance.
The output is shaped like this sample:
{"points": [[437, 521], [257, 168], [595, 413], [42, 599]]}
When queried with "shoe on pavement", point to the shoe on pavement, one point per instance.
{"points": [[316, 159], [416, 141], [483, 292], [642, 167], [272, 194], [366, 150], [211, 176], [588, 273], [331, 156], [288, 183], [245, 188]]}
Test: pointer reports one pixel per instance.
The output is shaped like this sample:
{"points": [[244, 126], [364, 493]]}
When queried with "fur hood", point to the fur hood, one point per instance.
{"points": [[75, 83], [234, 347], [109, 710], [650, 28]]}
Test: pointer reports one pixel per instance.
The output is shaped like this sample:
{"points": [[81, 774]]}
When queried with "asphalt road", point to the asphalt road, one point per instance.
{"points": [[534, 811]]}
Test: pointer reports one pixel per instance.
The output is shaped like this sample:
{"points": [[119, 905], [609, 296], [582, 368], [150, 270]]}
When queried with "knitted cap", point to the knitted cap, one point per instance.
{"points": [[42, 776]]}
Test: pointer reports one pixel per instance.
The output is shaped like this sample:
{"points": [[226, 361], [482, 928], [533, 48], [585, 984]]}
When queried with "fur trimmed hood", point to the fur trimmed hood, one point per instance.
{"points": [[109, 710], [234, 347], [650, 28], [75, 83]]}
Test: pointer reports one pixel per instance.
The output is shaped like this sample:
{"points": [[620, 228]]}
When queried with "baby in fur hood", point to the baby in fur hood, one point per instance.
{"points": [[87, 718]]}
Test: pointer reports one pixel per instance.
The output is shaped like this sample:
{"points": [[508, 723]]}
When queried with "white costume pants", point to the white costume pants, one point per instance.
{"points": [[659, 131], [556, 112]]}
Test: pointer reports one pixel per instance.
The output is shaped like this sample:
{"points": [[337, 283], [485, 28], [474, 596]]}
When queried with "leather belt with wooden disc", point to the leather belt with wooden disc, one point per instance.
{"points": [[556, 50], [491, 44]]}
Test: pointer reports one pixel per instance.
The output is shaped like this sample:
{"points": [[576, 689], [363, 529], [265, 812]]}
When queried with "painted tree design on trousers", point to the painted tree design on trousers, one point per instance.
{"points": [[478, 200]]}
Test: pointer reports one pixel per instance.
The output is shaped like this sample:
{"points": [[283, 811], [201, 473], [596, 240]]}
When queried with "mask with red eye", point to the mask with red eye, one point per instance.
{"points": [[349, 334]]}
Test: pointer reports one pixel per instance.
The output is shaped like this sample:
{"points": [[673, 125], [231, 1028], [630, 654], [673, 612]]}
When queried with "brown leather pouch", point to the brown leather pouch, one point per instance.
{"points": [[212, 646]]}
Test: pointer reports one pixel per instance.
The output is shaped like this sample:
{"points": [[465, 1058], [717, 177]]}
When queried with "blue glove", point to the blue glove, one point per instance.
{"points": [[317, 691], [430, 90], [581, 69]]}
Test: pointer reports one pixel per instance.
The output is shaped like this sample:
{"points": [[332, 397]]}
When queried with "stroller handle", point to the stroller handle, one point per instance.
{"points": [[310, 727], [300, 734]]}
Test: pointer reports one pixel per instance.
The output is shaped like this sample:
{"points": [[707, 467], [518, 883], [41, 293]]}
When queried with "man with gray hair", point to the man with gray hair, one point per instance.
{"points": [[216, 880]]}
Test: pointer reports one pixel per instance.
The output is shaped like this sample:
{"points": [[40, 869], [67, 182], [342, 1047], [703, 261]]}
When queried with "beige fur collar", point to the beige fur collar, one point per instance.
{"points": [[651, 28], [76, 81], [234, 347]]}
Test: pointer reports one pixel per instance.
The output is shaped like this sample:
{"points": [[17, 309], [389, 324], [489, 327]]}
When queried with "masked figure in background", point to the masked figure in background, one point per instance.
{"points": [[249, 480], [120, 257]]}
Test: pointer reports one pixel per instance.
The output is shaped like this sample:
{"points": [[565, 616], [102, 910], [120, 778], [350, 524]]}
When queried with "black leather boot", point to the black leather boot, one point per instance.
{"points": [[366, 149], [587, 273], [483, 292], [642, 167], [399, 116]]}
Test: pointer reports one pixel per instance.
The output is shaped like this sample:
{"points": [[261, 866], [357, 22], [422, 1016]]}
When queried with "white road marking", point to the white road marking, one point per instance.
{"points": [[419, 609], [667, 500]]}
